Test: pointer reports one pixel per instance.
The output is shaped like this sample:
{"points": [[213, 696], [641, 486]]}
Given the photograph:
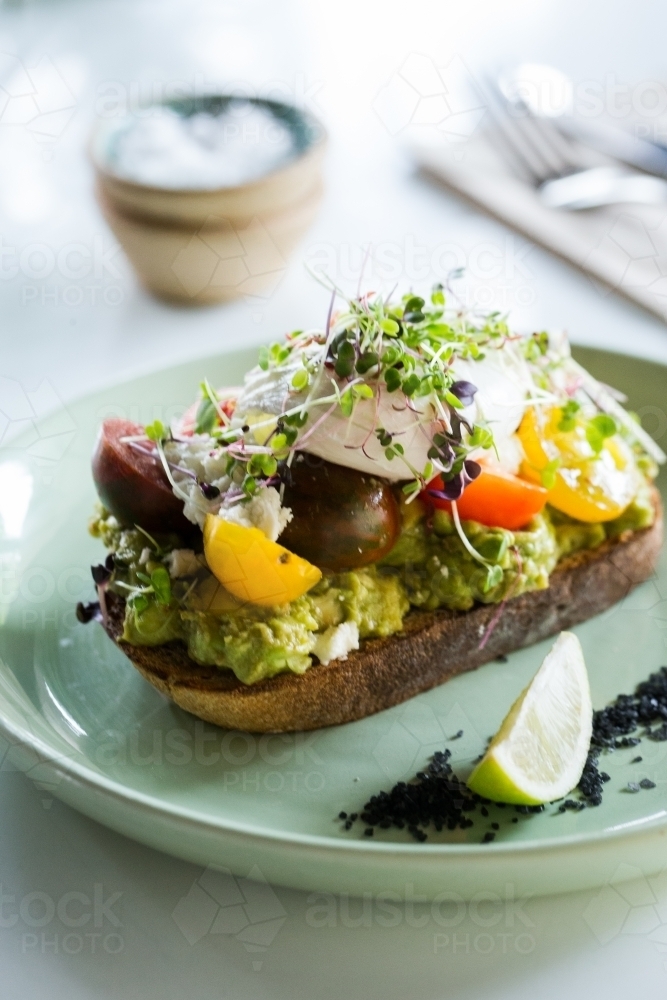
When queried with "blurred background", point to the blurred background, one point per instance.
{"points": [[416, 183], [384, 79]]}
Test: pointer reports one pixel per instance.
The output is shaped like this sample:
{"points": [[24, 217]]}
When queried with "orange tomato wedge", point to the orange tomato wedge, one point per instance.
{"points": [[496, 499], [252, 567]]}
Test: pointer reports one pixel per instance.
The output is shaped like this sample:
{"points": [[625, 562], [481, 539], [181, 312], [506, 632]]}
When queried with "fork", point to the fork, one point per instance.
{"points": [[550, 162]]}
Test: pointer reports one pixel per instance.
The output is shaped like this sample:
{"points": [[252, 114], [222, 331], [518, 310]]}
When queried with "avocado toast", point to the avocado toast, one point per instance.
{"points": [[405, 495]]}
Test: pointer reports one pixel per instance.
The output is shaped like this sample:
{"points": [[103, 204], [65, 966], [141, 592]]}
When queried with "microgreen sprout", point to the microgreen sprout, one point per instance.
{"points": [[405, 348], [156, 583], [207, 416], [156, 431], [546, 359], [382, 354], [494, 572], [568, 419], [548, 474], [598, 429], [157, 548], [536, 346], [161, 584]]}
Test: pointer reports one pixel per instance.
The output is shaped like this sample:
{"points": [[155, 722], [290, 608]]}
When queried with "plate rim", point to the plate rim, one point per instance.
{"points": [[116, 790]]}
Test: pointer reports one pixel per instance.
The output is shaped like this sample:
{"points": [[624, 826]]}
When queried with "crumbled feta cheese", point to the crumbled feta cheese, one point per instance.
{"points": [[336, 642], [198, 456], [195, 507], [214, 467], [183, 562], [190, 454], [264, 511]]}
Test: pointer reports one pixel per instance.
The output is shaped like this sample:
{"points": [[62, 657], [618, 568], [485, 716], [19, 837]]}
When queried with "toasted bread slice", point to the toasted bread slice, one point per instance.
{"points": [[432, 647]]}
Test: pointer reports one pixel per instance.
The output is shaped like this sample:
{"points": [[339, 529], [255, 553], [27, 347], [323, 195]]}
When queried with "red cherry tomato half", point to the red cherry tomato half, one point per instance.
{"points": [[131, 482], [496, 499]]}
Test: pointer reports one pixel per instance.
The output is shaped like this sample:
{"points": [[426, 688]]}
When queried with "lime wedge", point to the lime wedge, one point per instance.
{"points": [[539, 752]]}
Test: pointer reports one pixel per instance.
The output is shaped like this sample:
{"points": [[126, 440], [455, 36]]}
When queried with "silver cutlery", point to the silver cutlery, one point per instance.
{"points": [[553, 163], [548, 93]]}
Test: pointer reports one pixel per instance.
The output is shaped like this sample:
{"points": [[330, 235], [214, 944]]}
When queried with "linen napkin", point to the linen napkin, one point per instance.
{"points": [[622, 247]]}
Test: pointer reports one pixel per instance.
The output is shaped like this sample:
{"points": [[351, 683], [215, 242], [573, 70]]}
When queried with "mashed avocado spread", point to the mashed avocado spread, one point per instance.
{"points": [[428, 568]]}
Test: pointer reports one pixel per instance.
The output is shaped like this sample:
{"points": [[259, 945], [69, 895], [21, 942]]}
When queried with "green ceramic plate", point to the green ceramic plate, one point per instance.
{"points": [[84, 726]]}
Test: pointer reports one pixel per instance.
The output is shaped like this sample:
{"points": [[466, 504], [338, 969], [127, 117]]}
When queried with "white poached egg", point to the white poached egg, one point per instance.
{"points": [[502, 379]]}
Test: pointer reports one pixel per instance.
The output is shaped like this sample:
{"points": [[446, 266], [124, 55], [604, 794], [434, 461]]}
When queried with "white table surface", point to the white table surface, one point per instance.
{"points": [[76, 333]]}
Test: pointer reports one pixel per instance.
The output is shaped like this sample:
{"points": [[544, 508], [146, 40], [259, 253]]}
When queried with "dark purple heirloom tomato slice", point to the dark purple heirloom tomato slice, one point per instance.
{"points": [[342, 519], [131, 484]]}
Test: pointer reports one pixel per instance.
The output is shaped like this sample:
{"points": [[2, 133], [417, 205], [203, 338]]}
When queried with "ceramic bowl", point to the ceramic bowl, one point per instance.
{"points": [[201, 246]]}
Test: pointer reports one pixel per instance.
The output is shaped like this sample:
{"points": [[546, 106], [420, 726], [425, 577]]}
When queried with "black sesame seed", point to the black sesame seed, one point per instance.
{"points": [[614, 725], [342, 815], [591, 781], [502, 658], [434, 796], [437, 796], [628, 712], [572, 805]]}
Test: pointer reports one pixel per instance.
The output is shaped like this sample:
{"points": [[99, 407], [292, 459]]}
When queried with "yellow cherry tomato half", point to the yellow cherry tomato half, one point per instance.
{"points": [[252, 567], [587, 485]]}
